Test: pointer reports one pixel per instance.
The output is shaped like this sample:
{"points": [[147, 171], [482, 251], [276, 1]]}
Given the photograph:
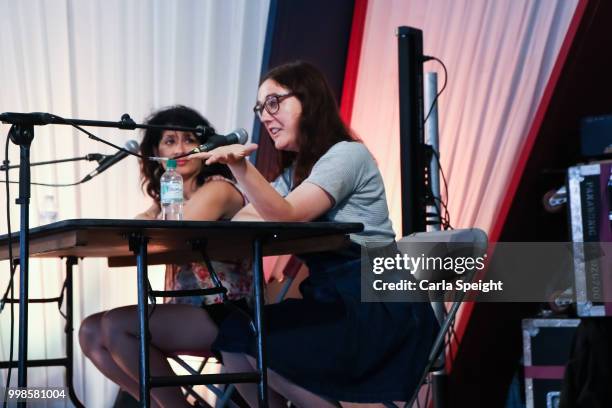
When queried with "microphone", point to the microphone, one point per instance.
{"points": [[238, 136], [130, 145], [33, 118]]}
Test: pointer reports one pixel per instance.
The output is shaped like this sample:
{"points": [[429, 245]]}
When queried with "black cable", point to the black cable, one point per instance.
{"points": [[12, 268], [45, 184], [60, 301], [433, 103], [431, 218], [96, 138], [444, 203], [443, 177], [11, 347], [436, 218], [437, 156], [446, 217], [8, 224]]}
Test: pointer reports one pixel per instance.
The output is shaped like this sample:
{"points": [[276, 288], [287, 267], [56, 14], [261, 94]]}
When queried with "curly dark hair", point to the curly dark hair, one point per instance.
{"points": [[320, 124], [178, 115]]}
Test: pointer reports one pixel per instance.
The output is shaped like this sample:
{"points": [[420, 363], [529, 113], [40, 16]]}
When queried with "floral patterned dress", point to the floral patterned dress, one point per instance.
{"points": [[236, 277]]}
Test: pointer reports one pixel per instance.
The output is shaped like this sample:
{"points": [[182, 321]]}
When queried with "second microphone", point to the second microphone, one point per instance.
{"points": [[238, 136]]}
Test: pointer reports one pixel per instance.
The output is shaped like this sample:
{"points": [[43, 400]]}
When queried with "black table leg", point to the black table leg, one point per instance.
{"points": [[68, 361], [258, 278], [138, 244]]}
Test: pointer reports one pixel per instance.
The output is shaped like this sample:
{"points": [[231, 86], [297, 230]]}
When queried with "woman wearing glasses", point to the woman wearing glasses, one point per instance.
{"points": [[328, 346]]}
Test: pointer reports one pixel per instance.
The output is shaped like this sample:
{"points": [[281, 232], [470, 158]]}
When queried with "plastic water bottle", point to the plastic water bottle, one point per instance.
{"points": [[171, 186], [48, 210]]}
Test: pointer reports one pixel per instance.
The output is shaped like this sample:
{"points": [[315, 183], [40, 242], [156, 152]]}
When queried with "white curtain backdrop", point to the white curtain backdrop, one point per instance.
{"points": [[99, 59], [499, 56]]}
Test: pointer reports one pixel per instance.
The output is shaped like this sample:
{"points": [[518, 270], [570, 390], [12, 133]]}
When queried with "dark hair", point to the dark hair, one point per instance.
{"points": [[320, 124], [178, 115]]}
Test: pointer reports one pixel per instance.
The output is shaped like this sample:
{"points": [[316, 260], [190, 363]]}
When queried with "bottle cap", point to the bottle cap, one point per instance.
{"points": [[171, 164]]}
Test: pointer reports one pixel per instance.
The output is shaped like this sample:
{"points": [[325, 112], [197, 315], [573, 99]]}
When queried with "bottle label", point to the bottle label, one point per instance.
{"points": [[171, 193]]}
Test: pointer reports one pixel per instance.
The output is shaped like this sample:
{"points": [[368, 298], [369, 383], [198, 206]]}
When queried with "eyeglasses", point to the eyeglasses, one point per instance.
{"points": [[271, 104]]}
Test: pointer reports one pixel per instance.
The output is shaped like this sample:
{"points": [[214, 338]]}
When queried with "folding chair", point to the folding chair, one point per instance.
{"points": [[476, 242], [223, 394]]}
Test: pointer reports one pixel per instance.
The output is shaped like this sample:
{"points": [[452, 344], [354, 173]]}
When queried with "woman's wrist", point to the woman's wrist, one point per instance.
{"points": [[238, 167]]}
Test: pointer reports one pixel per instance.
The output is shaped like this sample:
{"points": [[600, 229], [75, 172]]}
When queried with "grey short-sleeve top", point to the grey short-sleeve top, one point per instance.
{"points": [[349, 174]]}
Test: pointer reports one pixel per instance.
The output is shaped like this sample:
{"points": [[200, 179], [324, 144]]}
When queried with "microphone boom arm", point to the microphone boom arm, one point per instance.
{"points": [[90, 157], [126, 123]]}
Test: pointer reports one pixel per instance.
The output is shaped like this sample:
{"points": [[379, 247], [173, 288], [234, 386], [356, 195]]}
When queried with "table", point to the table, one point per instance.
{"points": [[145, 242]]}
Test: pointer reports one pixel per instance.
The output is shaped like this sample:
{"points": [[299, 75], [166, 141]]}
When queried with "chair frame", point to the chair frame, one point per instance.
{"points": [[436, 354]]}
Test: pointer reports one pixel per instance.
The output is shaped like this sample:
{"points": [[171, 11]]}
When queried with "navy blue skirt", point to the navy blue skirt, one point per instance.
{"points": [[333, 344]]}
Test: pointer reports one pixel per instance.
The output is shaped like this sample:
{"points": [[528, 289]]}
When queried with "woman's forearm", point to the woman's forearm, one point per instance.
{"points": [[270, 205]]}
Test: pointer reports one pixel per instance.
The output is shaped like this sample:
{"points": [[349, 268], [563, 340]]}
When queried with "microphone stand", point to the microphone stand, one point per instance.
{"points": [[21, 133]]}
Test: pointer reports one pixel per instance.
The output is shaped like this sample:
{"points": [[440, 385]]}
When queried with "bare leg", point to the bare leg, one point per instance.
{"points": [[92, 344], [234, 362], [172, 327]]}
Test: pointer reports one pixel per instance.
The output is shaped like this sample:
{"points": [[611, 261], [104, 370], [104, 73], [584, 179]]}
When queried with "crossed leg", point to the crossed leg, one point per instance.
{"points": [[111, 341]]}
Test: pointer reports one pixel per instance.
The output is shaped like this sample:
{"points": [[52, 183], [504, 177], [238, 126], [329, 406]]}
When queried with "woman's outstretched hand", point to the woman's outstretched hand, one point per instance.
{"points": [[231, 154]]}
